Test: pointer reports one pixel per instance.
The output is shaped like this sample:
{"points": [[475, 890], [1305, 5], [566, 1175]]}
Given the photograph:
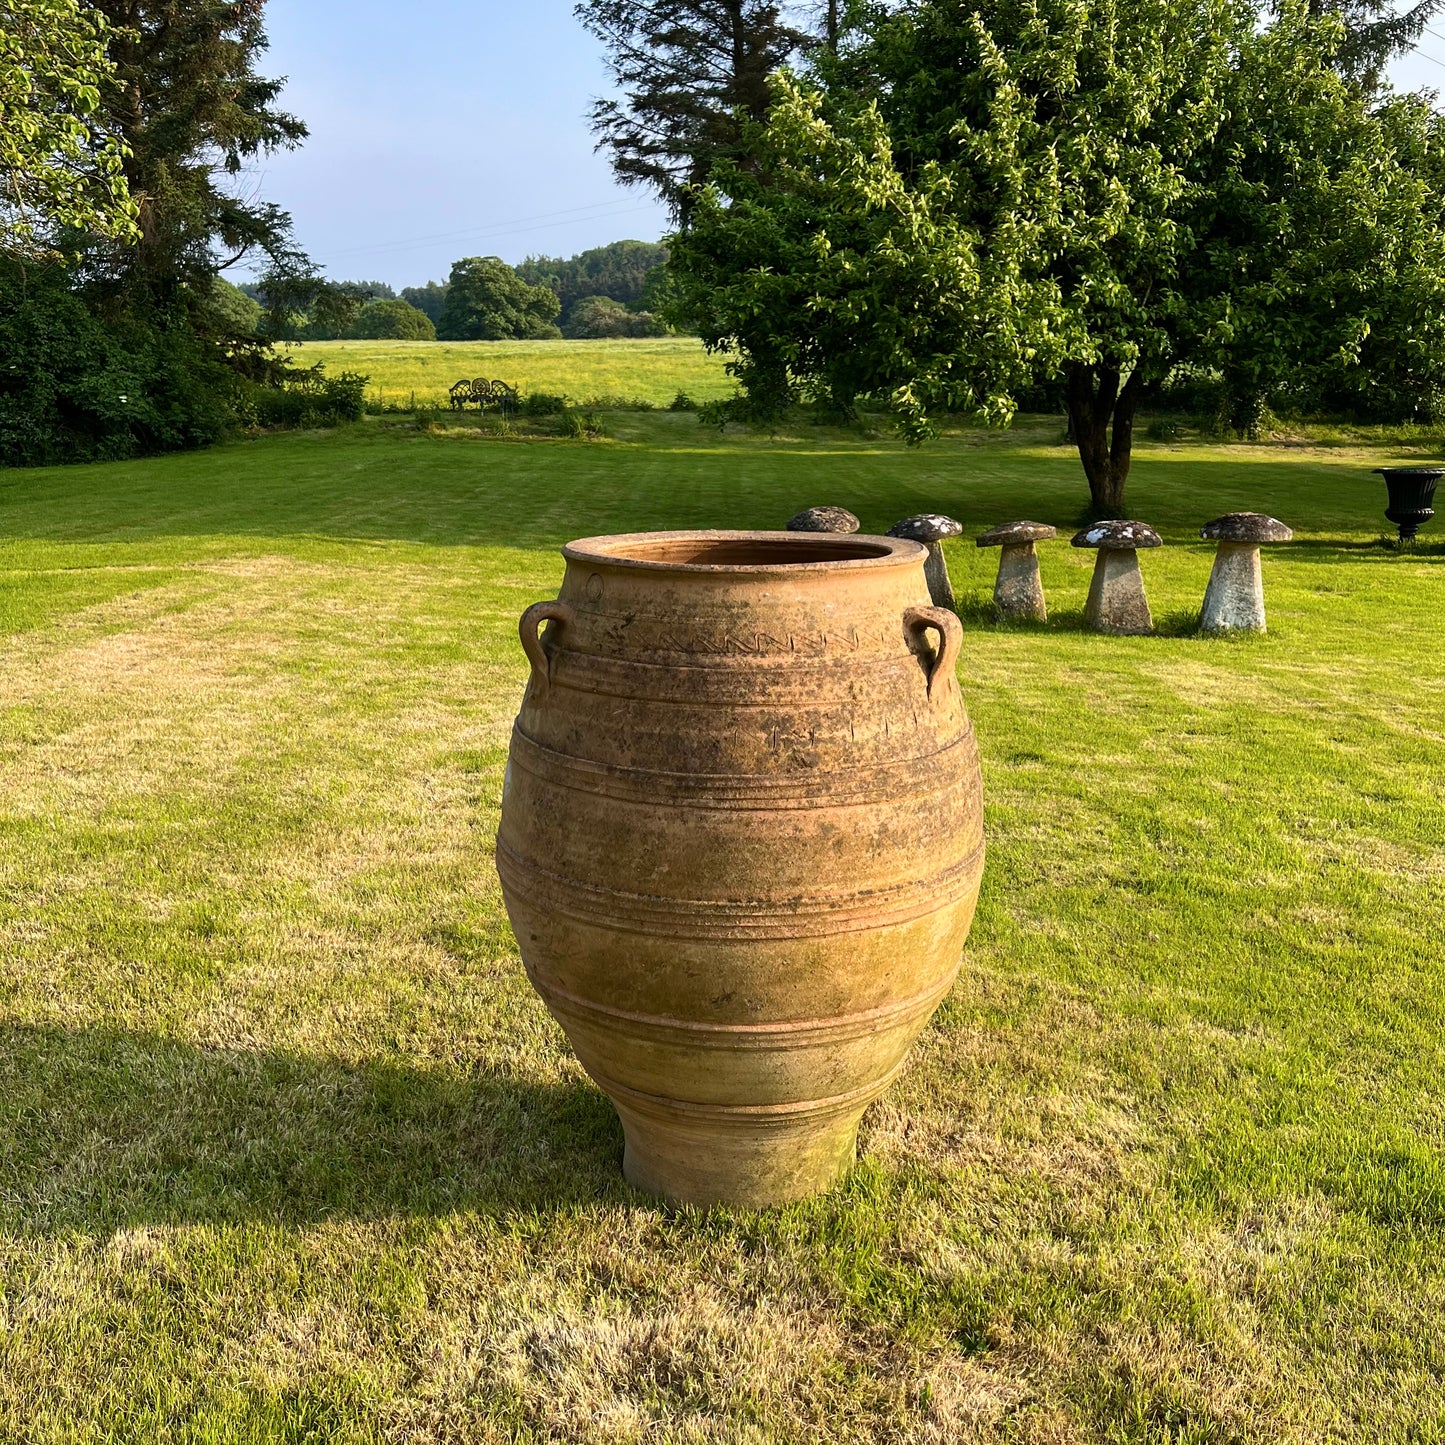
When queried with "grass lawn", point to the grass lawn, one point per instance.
{"points": [[289, 1151], [419, 372]]}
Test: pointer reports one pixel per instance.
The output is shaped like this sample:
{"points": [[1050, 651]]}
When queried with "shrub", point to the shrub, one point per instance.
{"points": [[600, 317], [682, 402], [584, 425], [763, 407], [82, 383], [310, 398], [617, 403], [543, 403]]}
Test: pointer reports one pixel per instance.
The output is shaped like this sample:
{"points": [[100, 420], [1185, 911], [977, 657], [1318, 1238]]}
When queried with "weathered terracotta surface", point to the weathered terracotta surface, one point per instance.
{"points": [[741, 841]]}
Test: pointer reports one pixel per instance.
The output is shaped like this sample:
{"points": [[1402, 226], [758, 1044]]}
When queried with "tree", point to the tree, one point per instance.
{"points": [[620, 270], [190, 110], [367, 290], [59, 170], [596, 317], [431, 299], [391, 320], [236, 312], [689, 71], [994, 194], [332, 309], [488, 301], [132, 348], [77, 384], [1375, 34]]}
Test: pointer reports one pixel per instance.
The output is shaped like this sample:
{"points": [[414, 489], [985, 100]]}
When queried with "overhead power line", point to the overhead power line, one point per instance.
{"points": [[547, 220]]}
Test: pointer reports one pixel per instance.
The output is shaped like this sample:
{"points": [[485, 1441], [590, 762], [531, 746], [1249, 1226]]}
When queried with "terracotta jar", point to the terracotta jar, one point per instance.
{"points": [[741, 841]]}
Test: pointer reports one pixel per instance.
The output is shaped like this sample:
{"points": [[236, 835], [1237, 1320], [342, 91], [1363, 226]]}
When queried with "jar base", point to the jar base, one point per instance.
{"points": [[732, 1160]]}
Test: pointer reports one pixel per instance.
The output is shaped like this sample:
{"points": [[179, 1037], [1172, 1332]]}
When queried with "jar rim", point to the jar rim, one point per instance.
{"points": [[748, 553]]}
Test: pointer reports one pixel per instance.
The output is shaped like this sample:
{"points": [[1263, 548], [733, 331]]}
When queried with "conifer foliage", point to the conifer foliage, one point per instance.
{"points": [[688, 69], [191, 110], [1375, 33]]}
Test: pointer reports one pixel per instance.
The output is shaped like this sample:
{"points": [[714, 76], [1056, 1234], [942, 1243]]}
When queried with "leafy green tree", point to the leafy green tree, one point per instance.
{"points": [[690, 72], [431, 299], [488, 301], [1104, 191], [391, 320], [620, 270], [333, 308], [596, 317], [236, 312], [59, 169]]}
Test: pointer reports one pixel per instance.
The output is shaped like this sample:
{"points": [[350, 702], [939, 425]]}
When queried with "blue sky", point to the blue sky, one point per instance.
{"points": [[442, 129]]}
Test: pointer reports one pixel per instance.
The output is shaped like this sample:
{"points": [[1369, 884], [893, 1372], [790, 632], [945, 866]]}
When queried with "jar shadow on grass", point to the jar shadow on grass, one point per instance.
{"points": [[103, 1128]]}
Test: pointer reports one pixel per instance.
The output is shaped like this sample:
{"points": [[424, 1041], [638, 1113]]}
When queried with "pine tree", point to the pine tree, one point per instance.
{"points": [[1375, 34], [686, 68], [191, 109]]}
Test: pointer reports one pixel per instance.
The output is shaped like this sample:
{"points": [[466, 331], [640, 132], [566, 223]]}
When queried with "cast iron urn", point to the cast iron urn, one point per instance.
{"points": [[1412, 491]]}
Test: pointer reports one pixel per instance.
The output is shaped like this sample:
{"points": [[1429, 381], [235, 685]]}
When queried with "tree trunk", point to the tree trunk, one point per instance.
{"points": [[1101, 416]]}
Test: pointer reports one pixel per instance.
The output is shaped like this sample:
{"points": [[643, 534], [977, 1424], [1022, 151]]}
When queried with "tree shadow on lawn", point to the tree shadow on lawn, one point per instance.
{"points": [[348, 487], [102, 1129], [1340, 549]]}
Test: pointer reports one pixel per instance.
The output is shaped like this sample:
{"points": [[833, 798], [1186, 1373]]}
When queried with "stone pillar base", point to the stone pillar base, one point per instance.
{"points": [[1117, 603], [1234, 600], [1019, 593]]}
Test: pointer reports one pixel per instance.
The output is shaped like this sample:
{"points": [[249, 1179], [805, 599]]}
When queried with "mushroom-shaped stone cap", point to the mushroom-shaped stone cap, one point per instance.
{"points": [[1245, 527], [1011, 534], [929, 527], [823, 519], [1117, 536]]}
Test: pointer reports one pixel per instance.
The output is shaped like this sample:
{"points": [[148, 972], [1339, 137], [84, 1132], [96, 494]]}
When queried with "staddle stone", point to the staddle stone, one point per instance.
{"points": [[1018, 591], [1117, 603], [931, 528], [823, 519], [1234, 599]]}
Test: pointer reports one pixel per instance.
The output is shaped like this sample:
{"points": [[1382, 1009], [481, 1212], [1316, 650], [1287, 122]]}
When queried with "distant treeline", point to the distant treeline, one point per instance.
{"points": [[608, 291]]}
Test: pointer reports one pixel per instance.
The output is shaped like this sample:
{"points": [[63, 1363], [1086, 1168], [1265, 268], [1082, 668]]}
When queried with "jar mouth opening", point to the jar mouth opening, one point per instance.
{"points": [[745, 552]]}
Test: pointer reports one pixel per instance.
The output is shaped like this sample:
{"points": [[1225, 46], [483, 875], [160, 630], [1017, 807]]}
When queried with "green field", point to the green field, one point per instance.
{"points": [[652, 370], [289, 1151]]}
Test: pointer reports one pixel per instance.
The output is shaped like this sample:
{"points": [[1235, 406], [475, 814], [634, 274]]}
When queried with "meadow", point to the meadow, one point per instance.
{"points": [[407, 373], [289, 1150]]}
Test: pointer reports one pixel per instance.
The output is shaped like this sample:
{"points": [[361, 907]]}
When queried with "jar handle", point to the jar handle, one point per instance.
{"points": [[530, 626], [916, 621]]}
